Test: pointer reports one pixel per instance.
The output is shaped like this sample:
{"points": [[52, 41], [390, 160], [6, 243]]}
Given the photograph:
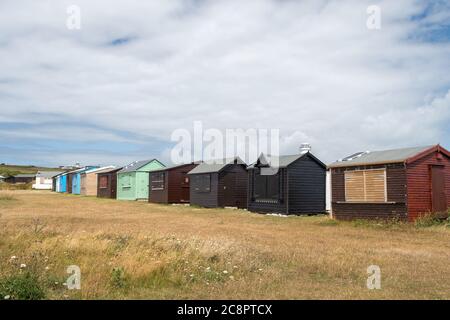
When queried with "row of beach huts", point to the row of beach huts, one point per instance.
{"points": [[400, 183]]}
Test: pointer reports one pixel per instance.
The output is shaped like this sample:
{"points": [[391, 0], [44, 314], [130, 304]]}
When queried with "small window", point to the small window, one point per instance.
{"points": [[266, 187], [202, 183], [158, 180], [103, 182], [185, 181], [126, 181], [365, 186]]}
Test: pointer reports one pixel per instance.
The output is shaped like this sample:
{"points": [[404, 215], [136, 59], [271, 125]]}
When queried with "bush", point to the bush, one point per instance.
{"points": [[17, 186], [24, 286], [391, 223], [432, 219], [6, 197], [119, 279]]}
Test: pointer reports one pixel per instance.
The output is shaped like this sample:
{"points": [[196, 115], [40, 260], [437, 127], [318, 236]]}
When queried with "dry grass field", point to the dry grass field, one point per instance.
{"points": [[136, 250]]}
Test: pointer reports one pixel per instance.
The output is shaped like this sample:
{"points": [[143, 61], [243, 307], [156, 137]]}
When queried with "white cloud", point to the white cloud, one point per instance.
{"points": [[309, 68]]}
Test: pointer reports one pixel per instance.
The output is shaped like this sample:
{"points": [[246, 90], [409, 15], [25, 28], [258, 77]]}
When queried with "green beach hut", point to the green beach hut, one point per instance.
{"points": [[133, 180]]}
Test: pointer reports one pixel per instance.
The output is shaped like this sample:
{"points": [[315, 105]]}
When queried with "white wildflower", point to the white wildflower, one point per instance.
{"points": [[23, 265], [231, 277], [225, 271], [7, 297]]}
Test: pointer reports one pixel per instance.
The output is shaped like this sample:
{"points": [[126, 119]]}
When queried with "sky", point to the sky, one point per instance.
{"points": [[115, 90]]}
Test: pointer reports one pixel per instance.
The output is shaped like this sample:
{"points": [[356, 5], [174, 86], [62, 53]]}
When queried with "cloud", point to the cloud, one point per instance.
{"points": [[309, 68]]}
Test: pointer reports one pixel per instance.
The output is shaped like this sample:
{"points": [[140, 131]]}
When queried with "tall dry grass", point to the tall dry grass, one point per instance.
{"points": [[145, 251]]}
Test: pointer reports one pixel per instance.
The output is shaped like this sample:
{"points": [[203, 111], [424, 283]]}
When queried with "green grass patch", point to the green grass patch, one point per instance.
{"points": [[22, 286]]}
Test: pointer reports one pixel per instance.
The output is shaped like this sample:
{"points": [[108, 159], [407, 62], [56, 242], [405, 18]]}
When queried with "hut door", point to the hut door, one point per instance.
{"points": [[229, 188], [185, 188], [438, 198], [112, 185]]}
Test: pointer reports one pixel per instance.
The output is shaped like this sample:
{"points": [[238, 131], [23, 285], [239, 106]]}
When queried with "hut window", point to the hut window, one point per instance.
{"points": [[158, 181], [365, 186], [103, 183], [266, 187], [202, 183], [126, 181]]}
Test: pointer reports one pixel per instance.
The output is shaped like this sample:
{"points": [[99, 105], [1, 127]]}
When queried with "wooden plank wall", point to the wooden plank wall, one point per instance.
{"points": [[307, 180], [419, 184], [240, 187], [205, 199], [396, 207]]}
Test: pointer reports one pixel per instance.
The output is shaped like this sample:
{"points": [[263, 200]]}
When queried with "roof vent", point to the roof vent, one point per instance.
{"points": [[305, 147], [354, 156]]}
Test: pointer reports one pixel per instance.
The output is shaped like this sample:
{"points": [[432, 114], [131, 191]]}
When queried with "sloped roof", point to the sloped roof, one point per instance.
{"points": [[48, 174], [110, 170], [23, 175], [100, 170], [217, 165], [380, 157], [84, 169], [176, 166], [135, 166], [283, 161]]}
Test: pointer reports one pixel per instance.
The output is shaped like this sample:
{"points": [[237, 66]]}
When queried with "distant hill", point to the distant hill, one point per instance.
{"points": [[10, 170]]}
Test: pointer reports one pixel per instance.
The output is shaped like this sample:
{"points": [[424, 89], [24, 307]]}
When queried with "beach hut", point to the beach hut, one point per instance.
{"points": [[88, 180], [170, 185], [220, 183], [398, 183], [107, 184], [69, 181], [63, 183], [290, 184], [44, 180], [133, 180], [75, 177], [21, 178], [55, 185]]}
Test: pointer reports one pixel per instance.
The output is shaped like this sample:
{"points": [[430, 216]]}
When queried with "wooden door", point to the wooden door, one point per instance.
{"points": [[142, 185], [184, 187], [113, 185], [229, 186], [438, 198], [69, 183]]}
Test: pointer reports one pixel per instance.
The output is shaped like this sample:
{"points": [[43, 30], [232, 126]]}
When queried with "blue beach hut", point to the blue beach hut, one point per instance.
{"points": [[76, 179], [63, 183]]}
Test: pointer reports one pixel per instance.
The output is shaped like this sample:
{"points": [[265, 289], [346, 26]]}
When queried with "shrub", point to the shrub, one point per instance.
{"points": [[432, 219], [17, 186], [7, 197], [118, 279], [23, 286], [391, 223]]}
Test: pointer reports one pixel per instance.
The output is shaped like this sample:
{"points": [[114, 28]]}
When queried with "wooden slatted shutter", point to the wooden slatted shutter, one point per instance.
{"points": [[365, 186], [354, 186], [375, 185]]}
